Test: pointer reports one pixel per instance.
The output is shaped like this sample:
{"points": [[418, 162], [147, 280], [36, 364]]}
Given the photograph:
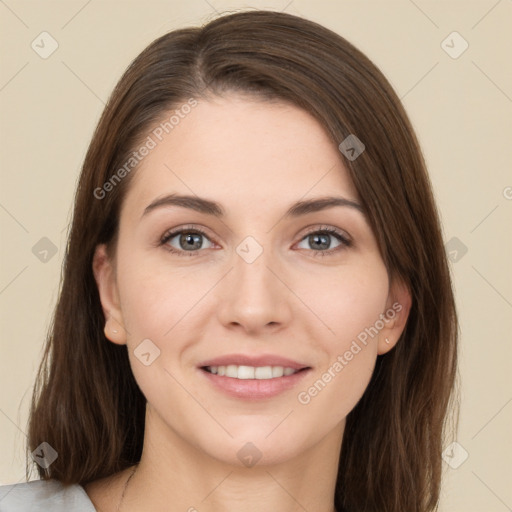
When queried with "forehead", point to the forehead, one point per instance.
{"points": [[244, 153]]}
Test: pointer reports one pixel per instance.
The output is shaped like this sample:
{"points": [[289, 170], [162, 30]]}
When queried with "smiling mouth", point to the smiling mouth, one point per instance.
{"points": [[243, 372]]}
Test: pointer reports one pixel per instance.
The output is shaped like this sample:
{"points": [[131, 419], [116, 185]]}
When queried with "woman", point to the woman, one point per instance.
{"points": [[256, 306]]}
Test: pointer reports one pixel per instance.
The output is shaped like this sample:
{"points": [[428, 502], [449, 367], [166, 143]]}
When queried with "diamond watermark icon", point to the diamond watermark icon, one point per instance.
{"points": [[44, 45], [455, 249], [249, 455], [249, 249], [146, 352], [454, 45], [351, 147], [44, 250], [455, 455], [44, 455]]}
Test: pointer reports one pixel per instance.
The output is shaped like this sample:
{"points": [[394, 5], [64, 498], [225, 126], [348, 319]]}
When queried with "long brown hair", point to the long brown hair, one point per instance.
{"points": [[86, 402]]}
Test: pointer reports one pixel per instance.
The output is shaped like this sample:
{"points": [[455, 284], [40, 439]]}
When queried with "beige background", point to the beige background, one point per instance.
{"points": [[461, 108]]}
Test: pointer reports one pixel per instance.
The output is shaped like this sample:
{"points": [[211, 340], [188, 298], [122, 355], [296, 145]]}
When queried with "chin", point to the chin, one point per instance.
{"points": [[257, 446]]}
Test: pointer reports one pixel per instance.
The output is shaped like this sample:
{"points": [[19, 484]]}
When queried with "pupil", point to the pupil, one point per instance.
{"points": [[318, 240], [190, 238]]}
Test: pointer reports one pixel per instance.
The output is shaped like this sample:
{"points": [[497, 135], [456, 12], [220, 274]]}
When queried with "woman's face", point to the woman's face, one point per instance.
{"points": [[253, 287]]}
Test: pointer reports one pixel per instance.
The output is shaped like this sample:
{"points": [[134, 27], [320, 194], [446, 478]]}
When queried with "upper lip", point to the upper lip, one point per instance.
{"points": [[248, 360]]}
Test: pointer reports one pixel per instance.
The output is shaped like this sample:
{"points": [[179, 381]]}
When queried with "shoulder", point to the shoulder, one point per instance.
{"points": [[44, 495]]}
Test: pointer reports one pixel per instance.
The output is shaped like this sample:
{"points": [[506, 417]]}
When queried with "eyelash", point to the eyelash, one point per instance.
{"points": [[345, 241]]}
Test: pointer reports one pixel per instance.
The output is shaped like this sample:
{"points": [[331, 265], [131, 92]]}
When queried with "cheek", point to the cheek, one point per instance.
{"points": [[158, 304], [350, 305], [155, 297], [333, 392], [348, 300]]}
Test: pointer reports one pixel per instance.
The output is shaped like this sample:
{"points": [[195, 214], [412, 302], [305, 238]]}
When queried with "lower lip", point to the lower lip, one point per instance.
{"points": [[254, 388]]}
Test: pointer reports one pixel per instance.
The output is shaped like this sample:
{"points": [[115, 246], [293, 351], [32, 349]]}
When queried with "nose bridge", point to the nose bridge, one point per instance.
{"points": [[251, 269], [253, 296]]}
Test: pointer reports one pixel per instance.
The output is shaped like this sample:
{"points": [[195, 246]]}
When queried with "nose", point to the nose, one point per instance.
{"points": [[254, 296]]}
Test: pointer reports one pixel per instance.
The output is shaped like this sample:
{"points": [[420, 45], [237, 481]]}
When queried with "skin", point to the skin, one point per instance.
{"points": [[255, 158]]}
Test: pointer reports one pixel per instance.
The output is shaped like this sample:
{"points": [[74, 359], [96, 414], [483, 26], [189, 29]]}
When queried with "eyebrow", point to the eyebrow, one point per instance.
{"points": [[209, 207]]}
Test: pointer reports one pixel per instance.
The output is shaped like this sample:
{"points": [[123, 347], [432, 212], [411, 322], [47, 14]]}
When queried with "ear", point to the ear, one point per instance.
{"points": [[105, 276], [395, 316]]}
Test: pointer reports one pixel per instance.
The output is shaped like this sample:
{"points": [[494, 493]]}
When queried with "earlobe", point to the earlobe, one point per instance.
{"points": [[104, 274], [114, 331], [395, 317]]}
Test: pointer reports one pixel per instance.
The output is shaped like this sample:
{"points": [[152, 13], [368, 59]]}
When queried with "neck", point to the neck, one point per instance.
{"points": [[174, 473]]}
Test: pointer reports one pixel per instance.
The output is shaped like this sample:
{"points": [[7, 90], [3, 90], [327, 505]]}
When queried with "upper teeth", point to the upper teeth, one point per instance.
{"points": [[251, 372]]}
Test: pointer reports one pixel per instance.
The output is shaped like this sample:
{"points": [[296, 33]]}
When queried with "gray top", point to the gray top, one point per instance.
{"points": [[44, 496]]}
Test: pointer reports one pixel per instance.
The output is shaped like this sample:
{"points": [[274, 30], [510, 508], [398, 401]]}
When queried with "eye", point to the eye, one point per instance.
{"points": [[321, 240], [185, 241]]}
